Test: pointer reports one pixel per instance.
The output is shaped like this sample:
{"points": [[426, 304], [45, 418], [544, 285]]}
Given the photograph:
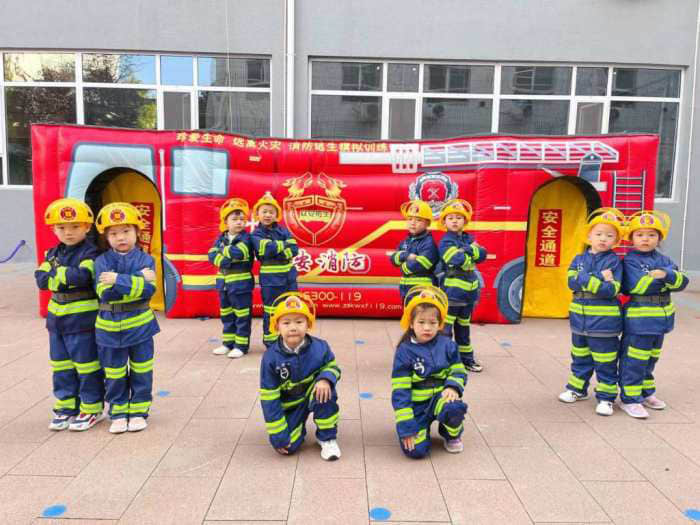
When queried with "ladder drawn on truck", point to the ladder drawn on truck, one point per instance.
{"points": [[407, 158]]}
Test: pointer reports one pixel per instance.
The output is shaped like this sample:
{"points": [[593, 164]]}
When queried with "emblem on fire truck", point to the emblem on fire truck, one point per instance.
{"points": [[314, 219], [435, 188]]}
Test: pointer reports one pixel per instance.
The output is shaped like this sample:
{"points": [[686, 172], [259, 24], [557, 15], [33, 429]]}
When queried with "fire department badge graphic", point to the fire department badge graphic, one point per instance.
{"points": [[313, 218], [292, 303], [435, 188], [646, 220], [117, 216], [68, 213]]}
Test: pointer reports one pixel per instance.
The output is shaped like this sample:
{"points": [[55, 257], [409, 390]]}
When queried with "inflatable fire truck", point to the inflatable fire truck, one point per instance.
{"points": [[341, 201]]}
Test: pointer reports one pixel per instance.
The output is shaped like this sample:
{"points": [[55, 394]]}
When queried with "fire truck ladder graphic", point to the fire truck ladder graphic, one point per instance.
{"points": [[628, 192], [407, 158]]}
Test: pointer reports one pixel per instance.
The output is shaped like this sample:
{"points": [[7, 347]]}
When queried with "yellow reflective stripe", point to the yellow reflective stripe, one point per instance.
{"points": [[396, 258], [678, 282], [576, 382], [465, 349], [439, 405], [632, 390], [89, 264], [593, 284], [44, 267], [468, 264], [572, 273], [403, 414], [414, 280], [616, 286], [291, 240], [275, 427], [606, 388], [651, 311], [228, 338], [458, 367], [137, 284], [276, 268], [246, 252], [326, 423], [475, 251], [262, 245], [469, 286], [420, 437], [454, 431], [126, 324], [119, 409], [76, 307], [288, 253], [580, 351], [234, 277], [91, 408], [424, 262], [137, 408], [604, 357], [142, 367], [418, 395], [115, 373], [405, 268], [296, 433], [642, 285], [656, 352], [289, 404], [270, 337], [226, 252], [87, 368], [457, 380], [241, 312], [61, 274], [464, 322], [61, 366], [638, 353], [53, 284], [269, 394], [590, 309], [241, 340], [218, 259], [450, 319], [101, 287], [398, 383], [223, 312], [280, 246], [648, 384], [451, 251], [65, 403]]}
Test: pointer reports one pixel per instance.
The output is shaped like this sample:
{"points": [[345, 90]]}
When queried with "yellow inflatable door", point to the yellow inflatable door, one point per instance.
{"points": [[133, 187], [556, 212]]}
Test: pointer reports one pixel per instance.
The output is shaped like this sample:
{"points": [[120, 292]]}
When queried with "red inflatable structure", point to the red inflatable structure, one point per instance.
{"points": [[340, 199]]}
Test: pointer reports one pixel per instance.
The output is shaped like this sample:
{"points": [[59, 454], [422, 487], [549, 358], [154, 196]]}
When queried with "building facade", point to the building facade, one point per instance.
{"points": [[358, 70]]}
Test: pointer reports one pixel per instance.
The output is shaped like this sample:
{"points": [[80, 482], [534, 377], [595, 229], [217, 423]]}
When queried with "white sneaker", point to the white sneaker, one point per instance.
{"points": [[569, 396], [604, 408], [119, 426], [453, 446], [330, 451], [235, 353], [137, 424], [60, 422], [85, 421], [220, 350]]}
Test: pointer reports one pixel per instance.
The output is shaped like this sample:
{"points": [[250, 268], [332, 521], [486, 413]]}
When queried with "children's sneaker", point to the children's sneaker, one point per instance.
{"points": [[137, 424], [474, 367], [654, 403], [235, 353], [85, 421], [604, 408], [569, 396], [453, 446], [635, 410], [60, 422], [220, 350], [119, 426], [330, 451]]}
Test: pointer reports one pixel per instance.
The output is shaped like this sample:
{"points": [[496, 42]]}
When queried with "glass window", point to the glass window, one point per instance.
{"points": [[402, 119], [39, 67], [535, 80], [534, 117], [176, 71], [200, 171], [403, 77], [457, 79], [26, 105], [346, 76], [589, 118], [120, 107], [447, 117], [233, 72], [592, 81], [119, 69], [245, 113], [650, 117], [176, 110], [646, 83], [346, 117]]}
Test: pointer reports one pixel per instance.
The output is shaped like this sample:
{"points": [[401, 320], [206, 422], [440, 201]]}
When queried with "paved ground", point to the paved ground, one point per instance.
{"points": [[205, 459]]}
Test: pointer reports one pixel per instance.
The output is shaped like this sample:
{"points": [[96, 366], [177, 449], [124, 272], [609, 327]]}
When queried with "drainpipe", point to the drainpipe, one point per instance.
{"points": [[289, 52]]}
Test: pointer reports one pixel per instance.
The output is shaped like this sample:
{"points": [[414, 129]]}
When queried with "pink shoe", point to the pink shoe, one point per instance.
{"points": [[654, 403], [635, 410]]}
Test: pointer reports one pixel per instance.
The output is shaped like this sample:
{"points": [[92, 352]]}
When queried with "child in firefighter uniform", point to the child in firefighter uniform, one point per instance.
{"points": [[459, 254], [298, 375], [232, 254], [417, 254], [428, 376], [275, 248], [595, 315], [649, 278], [68, 271], [125, 326]]}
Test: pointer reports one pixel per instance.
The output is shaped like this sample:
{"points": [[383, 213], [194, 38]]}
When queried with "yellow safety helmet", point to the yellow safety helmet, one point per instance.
{"points": [[417, 208], [611, 216], [292, 303], [118, 213], [267, 198], [229, 207], [458, 206], [424, 294], [653, 219], [67, 210]]}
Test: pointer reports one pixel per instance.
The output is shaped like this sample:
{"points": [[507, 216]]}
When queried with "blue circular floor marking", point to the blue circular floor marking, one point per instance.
{"points": [[379, 513], [163, 393], [366, 395], [693, 514], [53, 511], [359, 341]]}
